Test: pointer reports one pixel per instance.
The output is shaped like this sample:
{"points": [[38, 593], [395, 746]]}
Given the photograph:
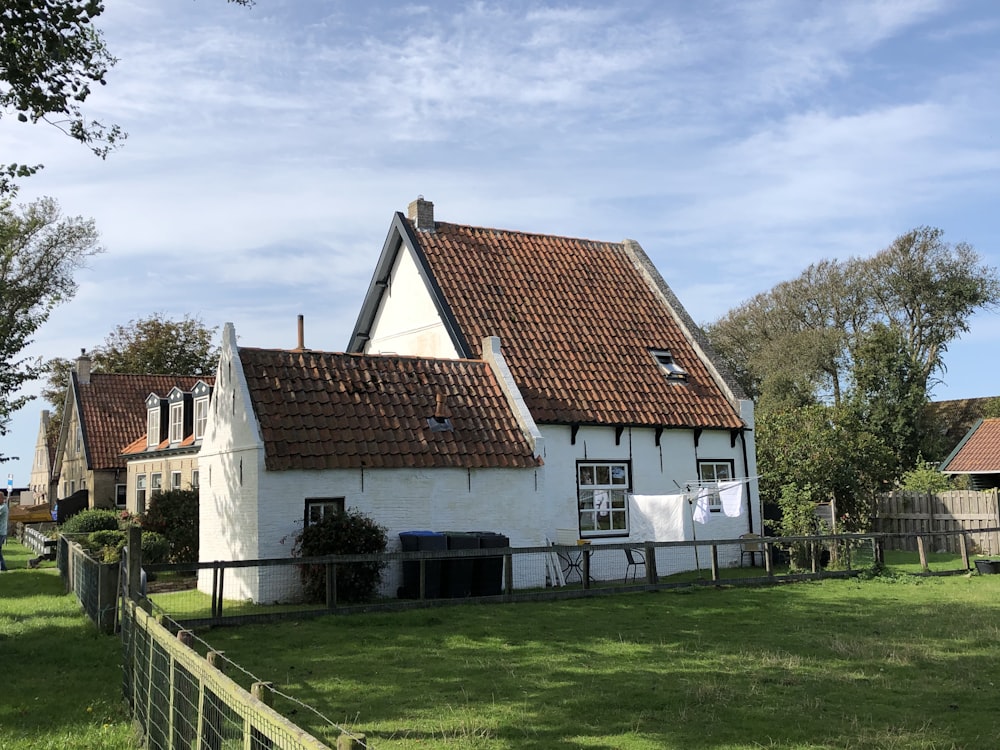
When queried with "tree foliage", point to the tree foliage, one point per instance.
{"points": [[40, 253], [175, 515], [51, 57], [866, 336]]}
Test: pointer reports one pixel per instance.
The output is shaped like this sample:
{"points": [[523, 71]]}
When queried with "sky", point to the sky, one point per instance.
{"points": [[737, 142]]}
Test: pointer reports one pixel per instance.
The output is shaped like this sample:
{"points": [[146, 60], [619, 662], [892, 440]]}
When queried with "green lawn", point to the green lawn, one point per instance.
{"points": [[62, 679], [898, 662]]}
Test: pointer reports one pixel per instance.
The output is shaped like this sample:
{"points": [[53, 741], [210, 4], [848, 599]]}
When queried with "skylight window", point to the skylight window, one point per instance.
{"points": [[669, 366]]}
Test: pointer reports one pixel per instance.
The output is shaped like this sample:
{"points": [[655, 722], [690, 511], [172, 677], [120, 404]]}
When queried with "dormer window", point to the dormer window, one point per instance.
{"points": [[673, 371], [153, 426], [177, 422], [200, 417]]}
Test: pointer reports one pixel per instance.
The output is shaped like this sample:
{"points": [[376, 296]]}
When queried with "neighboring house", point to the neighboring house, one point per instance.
{"points": [[165, 457], [977, 455], [42, 482], [610, 382], [102, 413]]}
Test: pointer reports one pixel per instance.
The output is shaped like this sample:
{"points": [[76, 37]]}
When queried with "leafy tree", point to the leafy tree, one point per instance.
{"points": [[347, 533], [51, 55], [991, 410], [925, 477], [40, 252], [149, 346]]}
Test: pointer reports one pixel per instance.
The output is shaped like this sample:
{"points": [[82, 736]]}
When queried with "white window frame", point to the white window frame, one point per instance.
{"points": [[602, 497], [121, 495], [195, 479], [140, 493], [176, 422], [175, 480], [153, 428], [711, 471], [200, 417], [155, 484], [318, 508]]}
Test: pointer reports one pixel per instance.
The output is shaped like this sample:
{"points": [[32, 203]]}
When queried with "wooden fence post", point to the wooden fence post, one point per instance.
{"points": [[331, 585], [923, 554], [508, 574], [768, 564], [963, 547], [715, 562], [586, 568], [134, 562], [351, 742], [650, 554]]}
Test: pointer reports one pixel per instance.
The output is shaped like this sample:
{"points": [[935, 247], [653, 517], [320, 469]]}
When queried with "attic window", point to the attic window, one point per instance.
{"points": [[667, 363], [440, 424]]}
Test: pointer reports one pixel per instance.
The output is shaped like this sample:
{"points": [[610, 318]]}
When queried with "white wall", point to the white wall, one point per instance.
{"points": [[407, 321]]}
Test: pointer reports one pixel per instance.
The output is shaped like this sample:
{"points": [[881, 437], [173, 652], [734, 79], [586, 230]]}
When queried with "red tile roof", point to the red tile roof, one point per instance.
{"points": [[323, 410], [577, 320], [113, 411], [979, 453]]}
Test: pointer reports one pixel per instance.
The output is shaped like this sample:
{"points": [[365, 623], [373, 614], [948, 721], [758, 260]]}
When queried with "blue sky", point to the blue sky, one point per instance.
{"points": [[736, 142]]}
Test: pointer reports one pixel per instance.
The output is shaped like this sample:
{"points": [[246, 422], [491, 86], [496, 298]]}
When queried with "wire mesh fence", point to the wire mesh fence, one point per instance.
{"points": [[181, 698], [95, 583]]}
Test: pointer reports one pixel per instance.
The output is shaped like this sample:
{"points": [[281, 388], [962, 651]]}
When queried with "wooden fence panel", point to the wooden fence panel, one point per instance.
{"points": [[925, 513]]}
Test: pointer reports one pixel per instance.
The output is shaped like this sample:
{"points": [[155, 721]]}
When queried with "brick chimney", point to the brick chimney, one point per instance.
{"points": [[83, 363], [421, 213]]}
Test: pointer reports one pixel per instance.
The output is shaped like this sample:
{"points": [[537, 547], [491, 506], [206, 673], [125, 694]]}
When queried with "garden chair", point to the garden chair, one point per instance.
{"points": [[750, 544], [634, 558]]}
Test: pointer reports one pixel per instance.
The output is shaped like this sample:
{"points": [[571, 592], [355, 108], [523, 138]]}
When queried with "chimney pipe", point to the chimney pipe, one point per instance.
{"points": [[302, 333], [421, 213]]}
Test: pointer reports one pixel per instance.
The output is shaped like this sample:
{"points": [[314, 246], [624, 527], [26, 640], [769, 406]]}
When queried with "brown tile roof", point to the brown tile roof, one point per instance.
{"points": [[979, 453], [577, 320], [323, 410], [113, 411]]}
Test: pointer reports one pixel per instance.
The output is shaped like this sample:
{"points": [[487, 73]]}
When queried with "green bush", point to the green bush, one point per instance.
{"points": [[106, 538], [175, 515], [155, 548], [348, 533], [88, 521]]}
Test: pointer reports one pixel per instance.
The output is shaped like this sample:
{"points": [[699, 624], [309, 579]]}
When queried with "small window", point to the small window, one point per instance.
{"points": [[121, 495], [200, 417], [175, 480], [669, 365], [318, 508], [710, 473], [140, 494], [155, 484], [177, 422], [195, 480]]}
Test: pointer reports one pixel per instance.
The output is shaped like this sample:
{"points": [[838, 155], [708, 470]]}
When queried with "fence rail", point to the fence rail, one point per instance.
{"points": [[908, 514]]}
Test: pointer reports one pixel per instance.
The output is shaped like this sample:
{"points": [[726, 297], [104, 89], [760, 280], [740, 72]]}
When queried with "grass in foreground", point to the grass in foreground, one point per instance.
{"points": [[61, 678], [900, 663]]}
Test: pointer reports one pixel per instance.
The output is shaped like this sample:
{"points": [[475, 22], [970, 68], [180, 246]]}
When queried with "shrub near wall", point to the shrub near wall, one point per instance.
{"points": [[175, 515], [347, 533]]}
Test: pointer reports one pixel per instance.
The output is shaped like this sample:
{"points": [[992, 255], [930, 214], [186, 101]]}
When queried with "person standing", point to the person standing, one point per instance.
{"points": [[3, 530]]}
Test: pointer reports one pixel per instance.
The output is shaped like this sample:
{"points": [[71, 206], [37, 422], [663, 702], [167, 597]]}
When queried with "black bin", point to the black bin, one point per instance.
{"points": [[420, 541], [487, 576], [457, 574]]}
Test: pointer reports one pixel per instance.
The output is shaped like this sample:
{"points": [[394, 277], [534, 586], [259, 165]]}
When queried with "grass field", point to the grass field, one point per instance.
{"points": [[895, 662], [61, 687]]}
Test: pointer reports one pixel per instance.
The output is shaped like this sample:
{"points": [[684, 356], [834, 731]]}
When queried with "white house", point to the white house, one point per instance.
{"points": [[612, 409]]}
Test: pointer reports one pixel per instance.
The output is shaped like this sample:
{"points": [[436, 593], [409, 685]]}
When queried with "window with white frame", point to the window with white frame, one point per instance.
{"points": [[710, 473], [200, 417], [318, 508], [177, 422], [140, 494], [175, 480], [602, 498], [121, 495], [153, 427], [155, 484], [195, 479]]}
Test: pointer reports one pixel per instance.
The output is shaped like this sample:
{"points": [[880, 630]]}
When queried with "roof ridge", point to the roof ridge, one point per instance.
{"points": [[523, 233]]}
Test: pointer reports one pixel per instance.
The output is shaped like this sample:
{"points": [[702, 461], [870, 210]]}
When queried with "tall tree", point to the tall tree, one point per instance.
{"points": [[40, 253]]}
